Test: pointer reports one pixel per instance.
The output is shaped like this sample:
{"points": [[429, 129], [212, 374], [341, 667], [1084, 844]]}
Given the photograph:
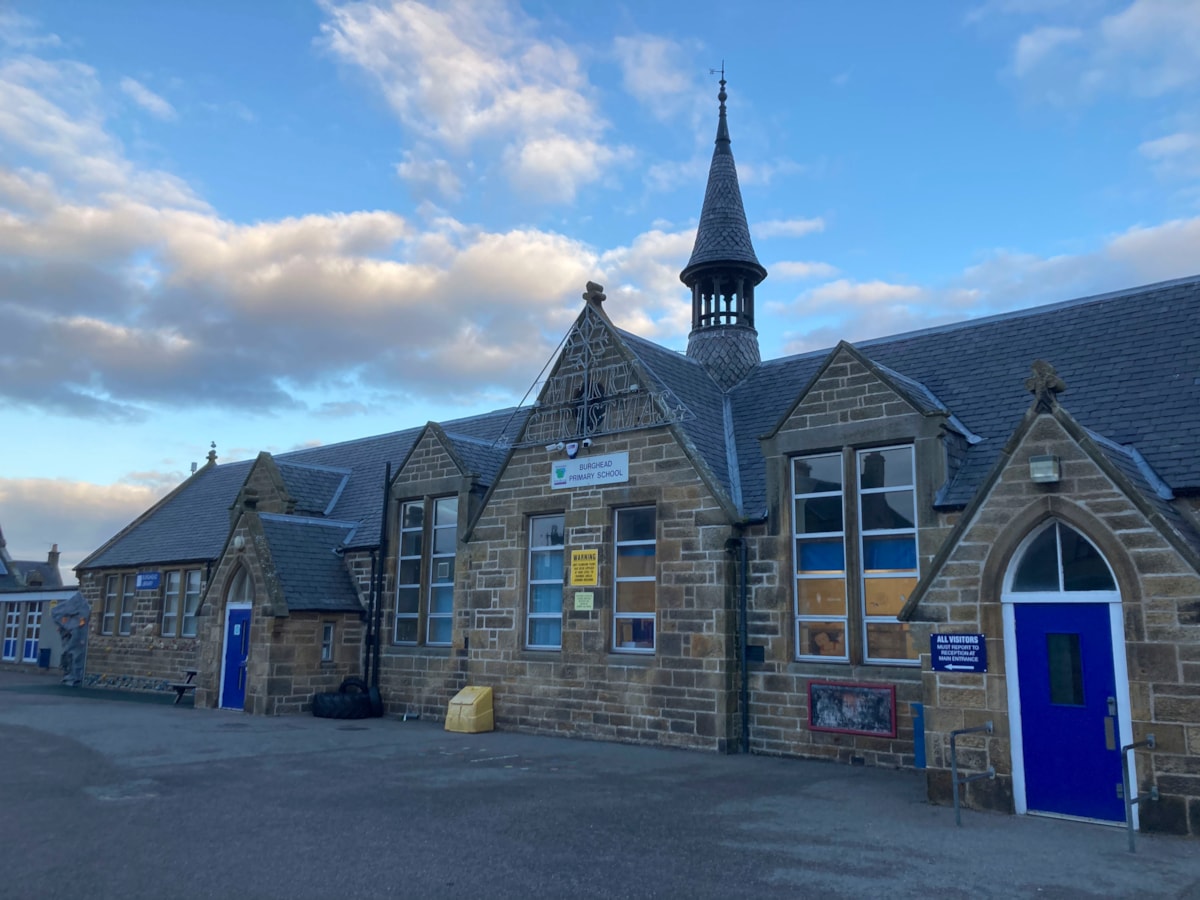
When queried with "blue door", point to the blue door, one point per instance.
{"points": [[237, 650], [1069, 729]]}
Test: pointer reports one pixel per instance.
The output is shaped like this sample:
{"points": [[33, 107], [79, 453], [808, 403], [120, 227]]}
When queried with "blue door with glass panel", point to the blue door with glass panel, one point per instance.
{"points": [[1069, 729], [237, 651]]}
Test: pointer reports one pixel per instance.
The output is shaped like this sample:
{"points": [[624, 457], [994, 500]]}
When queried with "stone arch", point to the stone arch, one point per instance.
{"points": [[1010, 539]]}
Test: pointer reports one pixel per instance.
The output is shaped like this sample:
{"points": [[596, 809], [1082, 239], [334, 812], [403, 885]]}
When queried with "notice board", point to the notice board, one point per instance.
{"points": [[852, 708]]}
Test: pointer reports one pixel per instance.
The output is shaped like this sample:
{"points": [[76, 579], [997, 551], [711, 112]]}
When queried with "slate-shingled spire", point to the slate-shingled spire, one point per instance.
{"points": [[723, 272]]}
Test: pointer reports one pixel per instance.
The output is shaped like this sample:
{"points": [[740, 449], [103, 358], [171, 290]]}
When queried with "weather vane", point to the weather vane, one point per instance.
{"points": [[720, 71]]}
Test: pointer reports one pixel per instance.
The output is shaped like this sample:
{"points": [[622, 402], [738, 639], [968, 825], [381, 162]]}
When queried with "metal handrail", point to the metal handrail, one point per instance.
{"points": [[986, 727], [1126, 790]]}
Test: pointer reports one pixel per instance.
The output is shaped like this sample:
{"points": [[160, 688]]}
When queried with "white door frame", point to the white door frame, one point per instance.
{"points": [[225, 648], [1116, 623]]}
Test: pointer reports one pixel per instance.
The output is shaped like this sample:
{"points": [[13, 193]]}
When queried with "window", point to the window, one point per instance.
{"points": [[441, 571], [182, 591], [428, 545], [634, 584], [12, 630], [546, 539], [832, 603], [109, 619], [33, 631], [241, 588], [327, 641], [118, 604], [1060, 559], [128, 586]]}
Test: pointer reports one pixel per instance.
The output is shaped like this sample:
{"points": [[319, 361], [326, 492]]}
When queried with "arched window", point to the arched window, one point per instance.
{"points": [[241, 589], [1059, 559]]}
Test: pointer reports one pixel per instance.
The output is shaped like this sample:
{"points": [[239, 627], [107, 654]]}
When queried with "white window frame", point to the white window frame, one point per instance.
{"points": [[534, 552], [863, 534], [108, 621], [441, 567], [618, 616], [415, 615], [12, 631], [33, 632], [128, 601], [328, 630], [191, 603], [854, 572], [435, 570], [824, 575], [172, 597]]}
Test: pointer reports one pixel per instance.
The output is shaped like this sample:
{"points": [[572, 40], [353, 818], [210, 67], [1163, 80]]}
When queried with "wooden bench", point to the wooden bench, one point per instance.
{"points": [[184, 687]]}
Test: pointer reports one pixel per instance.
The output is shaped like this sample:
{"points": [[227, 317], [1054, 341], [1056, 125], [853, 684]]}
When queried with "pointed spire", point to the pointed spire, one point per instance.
{"points": [[723, 235], [723, 270]]}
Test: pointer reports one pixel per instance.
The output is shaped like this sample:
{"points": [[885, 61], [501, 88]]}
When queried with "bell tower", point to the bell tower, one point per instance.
{"points": [[723, 272]]}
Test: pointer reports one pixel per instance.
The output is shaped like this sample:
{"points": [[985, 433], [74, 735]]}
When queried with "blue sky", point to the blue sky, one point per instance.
{"points": [[276, 224]]}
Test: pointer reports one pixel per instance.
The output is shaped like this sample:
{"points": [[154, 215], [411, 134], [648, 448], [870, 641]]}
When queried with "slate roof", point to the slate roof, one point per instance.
{"points": [[691, 384], [314, 488], [722, 235], [22, 575], [192, 523], [1130, 360], [310, 574], [25, 575]]}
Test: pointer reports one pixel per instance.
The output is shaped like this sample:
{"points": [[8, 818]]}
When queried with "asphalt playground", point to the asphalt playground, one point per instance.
{"points": [[112, 795]]}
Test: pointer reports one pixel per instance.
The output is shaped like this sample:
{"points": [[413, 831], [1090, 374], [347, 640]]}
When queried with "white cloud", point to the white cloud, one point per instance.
{"points": [[97, 512], [1033, 47], [471, 77], [788, 227], [148, 100], [1174, 155], [556, 166], [426, 172], [789, 269], [1148, 48], [653, 70]]}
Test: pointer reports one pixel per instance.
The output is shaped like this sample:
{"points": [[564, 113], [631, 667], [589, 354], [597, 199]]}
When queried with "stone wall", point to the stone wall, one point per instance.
{"points": [[848, 407], [420, 679], [1160, 598], [144, 659], [680, 694]]}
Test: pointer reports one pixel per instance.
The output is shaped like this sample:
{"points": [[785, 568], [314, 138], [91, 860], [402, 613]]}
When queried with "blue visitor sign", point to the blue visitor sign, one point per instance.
{"points": [[958, 652], [148, 581]]}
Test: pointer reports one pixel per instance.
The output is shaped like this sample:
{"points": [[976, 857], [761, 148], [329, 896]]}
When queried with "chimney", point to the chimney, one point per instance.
{"points": [[52, 556]]}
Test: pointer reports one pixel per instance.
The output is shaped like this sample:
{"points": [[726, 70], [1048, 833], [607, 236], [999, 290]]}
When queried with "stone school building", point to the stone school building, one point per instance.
{"points": [[848, 554]]}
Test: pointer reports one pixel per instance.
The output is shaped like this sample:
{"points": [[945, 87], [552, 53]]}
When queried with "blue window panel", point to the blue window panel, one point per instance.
{"points": [[889, 553]]}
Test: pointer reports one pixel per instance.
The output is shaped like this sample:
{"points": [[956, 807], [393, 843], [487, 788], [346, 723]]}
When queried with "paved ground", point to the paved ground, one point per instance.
{"points": [[101, 797]]}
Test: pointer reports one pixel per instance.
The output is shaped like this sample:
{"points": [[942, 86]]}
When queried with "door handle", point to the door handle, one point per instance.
{"points": [[1110, 722]]}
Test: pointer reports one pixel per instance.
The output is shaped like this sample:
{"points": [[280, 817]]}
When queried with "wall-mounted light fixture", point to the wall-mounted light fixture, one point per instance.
{"points": [[552, 448], [239, 542], [1045, 469]]}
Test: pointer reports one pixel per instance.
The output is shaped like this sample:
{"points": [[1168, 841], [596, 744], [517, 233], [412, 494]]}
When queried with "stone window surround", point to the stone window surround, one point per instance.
{"points": [[923, 432], [428, 503], [617, 616], [116, 597], [531, 583], [856, 616], [181, 614]]}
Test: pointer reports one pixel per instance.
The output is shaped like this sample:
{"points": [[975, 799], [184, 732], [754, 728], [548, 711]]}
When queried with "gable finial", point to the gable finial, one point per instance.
{"points": [[1045, 385], [594, 294], [212, 453]]}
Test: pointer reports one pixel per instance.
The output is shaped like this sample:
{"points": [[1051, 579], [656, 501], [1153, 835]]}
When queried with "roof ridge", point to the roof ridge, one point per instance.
{"points": [[308, 520]]}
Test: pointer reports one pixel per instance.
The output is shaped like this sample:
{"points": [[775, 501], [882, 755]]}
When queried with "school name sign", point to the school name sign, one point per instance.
{"points": [[612, 468]]}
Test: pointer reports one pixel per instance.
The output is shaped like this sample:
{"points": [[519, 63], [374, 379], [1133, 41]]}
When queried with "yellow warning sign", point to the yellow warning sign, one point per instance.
{"points": [[585, 565]]}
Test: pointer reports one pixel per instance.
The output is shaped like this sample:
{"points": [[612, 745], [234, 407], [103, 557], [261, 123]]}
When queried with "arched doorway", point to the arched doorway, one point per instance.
{"points": [[239, 603], [1068, 686]]}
